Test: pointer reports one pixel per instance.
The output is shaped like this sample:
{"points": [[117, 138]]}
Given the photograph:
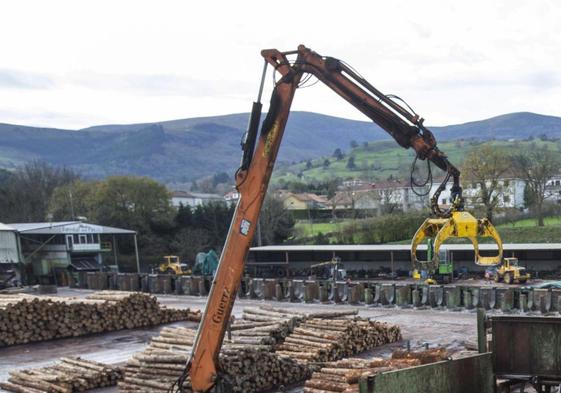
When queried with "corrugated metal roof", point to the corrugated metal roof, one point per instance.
{"points": [[53, 228], [4, 227], [407, 247]]}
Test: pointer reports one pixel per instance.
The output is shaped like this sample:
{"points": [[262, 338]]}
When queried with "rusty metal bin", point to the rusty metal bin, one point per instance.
{"points": [[527, 347]]}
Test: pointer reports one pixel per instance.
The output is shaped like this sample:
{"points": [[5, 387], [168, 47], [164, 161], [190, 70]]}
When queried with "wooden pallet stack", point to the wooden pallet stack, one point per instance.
{"points": [[28, 318], [67, 376], [344, 375], [323, 340]]}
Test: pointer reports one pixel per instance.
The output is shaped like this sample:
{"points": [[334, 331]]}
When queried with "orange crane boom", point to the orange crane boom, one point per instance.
{"points": [[252, 179]]}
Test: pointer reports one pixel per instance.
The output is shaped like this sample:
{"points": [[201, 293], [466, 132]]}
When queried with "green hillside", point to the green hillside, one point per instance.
{"points": [[188, 149], [378, 161]]}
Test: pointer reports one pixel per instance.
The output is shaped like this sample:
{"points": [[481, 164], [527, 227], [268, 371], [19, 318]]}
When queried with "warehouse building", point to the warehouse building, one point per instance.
{"points": [[45, 251], [371, 260]]}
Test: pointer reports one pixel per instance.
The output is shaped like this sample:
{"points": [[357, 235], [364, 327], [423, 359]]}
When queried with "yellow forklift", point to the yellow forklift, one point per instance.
{"points": [[172, 265], [510, 272]]}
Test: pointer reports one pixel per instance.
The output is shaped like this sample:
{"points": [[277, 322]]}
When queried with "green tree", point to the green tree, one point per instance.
{"points": [[76, 199], [338, 154], [214, 218], [138, 203], [351, 163], [308, 164], [536, 166], [326, 163], [353, 144], [485, 166]]}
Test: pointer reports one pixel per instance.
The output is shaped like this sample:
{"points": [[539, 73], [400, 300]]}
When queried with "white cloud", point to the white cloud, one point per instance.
{"points": [[75, 64]]}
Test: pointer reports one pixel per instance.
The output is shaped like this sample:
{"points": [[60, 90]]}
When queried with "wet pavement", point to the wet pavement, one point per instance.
{"points": [[450, 329]]}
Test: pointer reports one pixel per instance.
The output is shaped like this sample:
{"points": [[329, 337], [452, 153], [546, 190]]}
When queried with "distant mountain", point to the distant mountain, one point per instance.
{"points": [[184, 150], [520, 125]]}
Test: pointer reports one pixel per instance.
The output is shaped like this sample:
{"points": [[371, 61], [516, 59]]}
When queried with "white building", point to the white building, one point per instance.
{"points": [[379, 196], [193, 199], [510, 193], [232, 197], [553, 189]]}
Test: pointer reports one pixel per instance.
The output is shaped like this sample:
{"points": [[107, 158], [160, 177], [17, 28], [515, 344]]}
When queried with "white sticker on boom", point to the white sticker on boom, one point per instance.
{"points": [[244, 227]]}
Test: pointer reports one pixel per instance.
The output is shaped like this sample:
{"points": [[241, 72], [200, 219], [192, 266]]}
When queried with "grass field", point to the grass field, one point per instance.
{"points": [[306, 229], [521, 231], [380, 160], [531, 222]]}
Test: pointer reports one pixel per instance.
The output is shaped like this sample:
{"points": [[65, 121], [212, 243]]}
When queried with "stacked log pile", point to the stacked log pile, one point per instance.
{"points": [[276, 323], [323, 340], [344, 375], [27, 318], [247, 362], [68, 376]]}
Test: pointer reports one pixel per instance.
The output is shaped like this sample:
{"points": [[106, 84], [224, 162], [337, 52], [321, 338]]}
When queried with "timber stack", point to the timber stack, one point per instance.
{"points": [[27, 318], [344, 375], [68, 376], [323, 340], [275, 322], [247, 358], [248, 363]]}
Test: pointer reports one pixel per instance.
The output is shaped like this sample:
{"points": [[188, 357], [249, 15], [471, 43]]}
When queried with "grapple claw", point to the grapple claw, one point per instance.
{"points": [[461, 224]]}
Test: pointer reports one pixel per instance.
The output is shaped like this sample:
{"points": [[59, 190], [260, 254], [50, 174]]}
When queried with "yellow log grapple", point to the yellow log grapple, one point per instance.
{"points": [[460, 224]]}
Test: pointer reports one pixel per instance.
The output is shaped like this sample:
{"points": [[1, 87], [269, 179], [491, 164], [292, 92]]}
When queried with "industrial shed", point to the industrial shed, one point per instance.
{"points": [[47, 248], [279, 260], [9, 247]]}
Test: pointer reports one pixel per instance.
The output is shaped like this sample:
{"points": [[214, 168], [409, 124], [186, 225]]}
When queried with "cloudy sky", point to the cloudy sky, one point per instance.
{"points": [[72, 64]]}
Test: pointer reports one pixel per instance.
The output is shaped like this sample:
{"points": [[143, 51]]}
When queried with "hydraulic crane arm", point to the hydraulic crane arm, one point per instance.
{"points": [[252, 179]]}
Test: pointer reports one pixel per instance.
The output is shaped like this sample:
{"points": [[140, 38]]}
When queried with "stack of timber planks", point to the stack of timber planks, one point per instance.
{"points": [[27, 318], [323, 340], [67, 376]]}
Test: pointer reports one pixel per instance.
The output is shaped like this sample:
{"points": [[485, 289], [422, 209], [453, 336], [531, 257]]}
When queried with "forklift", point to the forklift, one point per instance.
{"points": [[172, 265], [509, 272]]}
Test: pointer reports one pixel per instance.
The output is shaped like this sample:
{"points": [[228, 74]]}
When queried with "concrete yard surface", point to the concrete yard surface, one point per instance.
{"points": [[454, 330]]}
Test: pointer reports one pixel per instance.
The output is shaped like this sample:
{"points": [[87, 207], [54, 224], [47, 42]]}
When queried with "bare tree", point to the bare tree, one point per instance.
{"points": [[276, 222], [536, 166], [484, 167], [26, 194], [388, 199]]}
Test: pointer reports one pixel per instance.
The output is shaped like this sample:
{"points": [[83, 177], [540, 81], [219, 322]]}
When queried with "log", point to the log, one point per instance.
{"points": [[68, 376], [28, 318]]}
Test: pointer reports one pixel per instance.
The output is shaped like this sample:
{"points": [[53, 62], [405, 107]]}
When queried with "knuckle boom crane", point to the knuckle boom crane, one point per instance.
{"points": [[252, 179]]}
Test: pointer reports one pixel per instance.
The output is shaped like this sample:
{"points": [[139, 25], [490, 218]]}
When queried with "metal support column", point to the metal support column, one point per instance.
{"points": [[136, 253], [115, 252]]}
